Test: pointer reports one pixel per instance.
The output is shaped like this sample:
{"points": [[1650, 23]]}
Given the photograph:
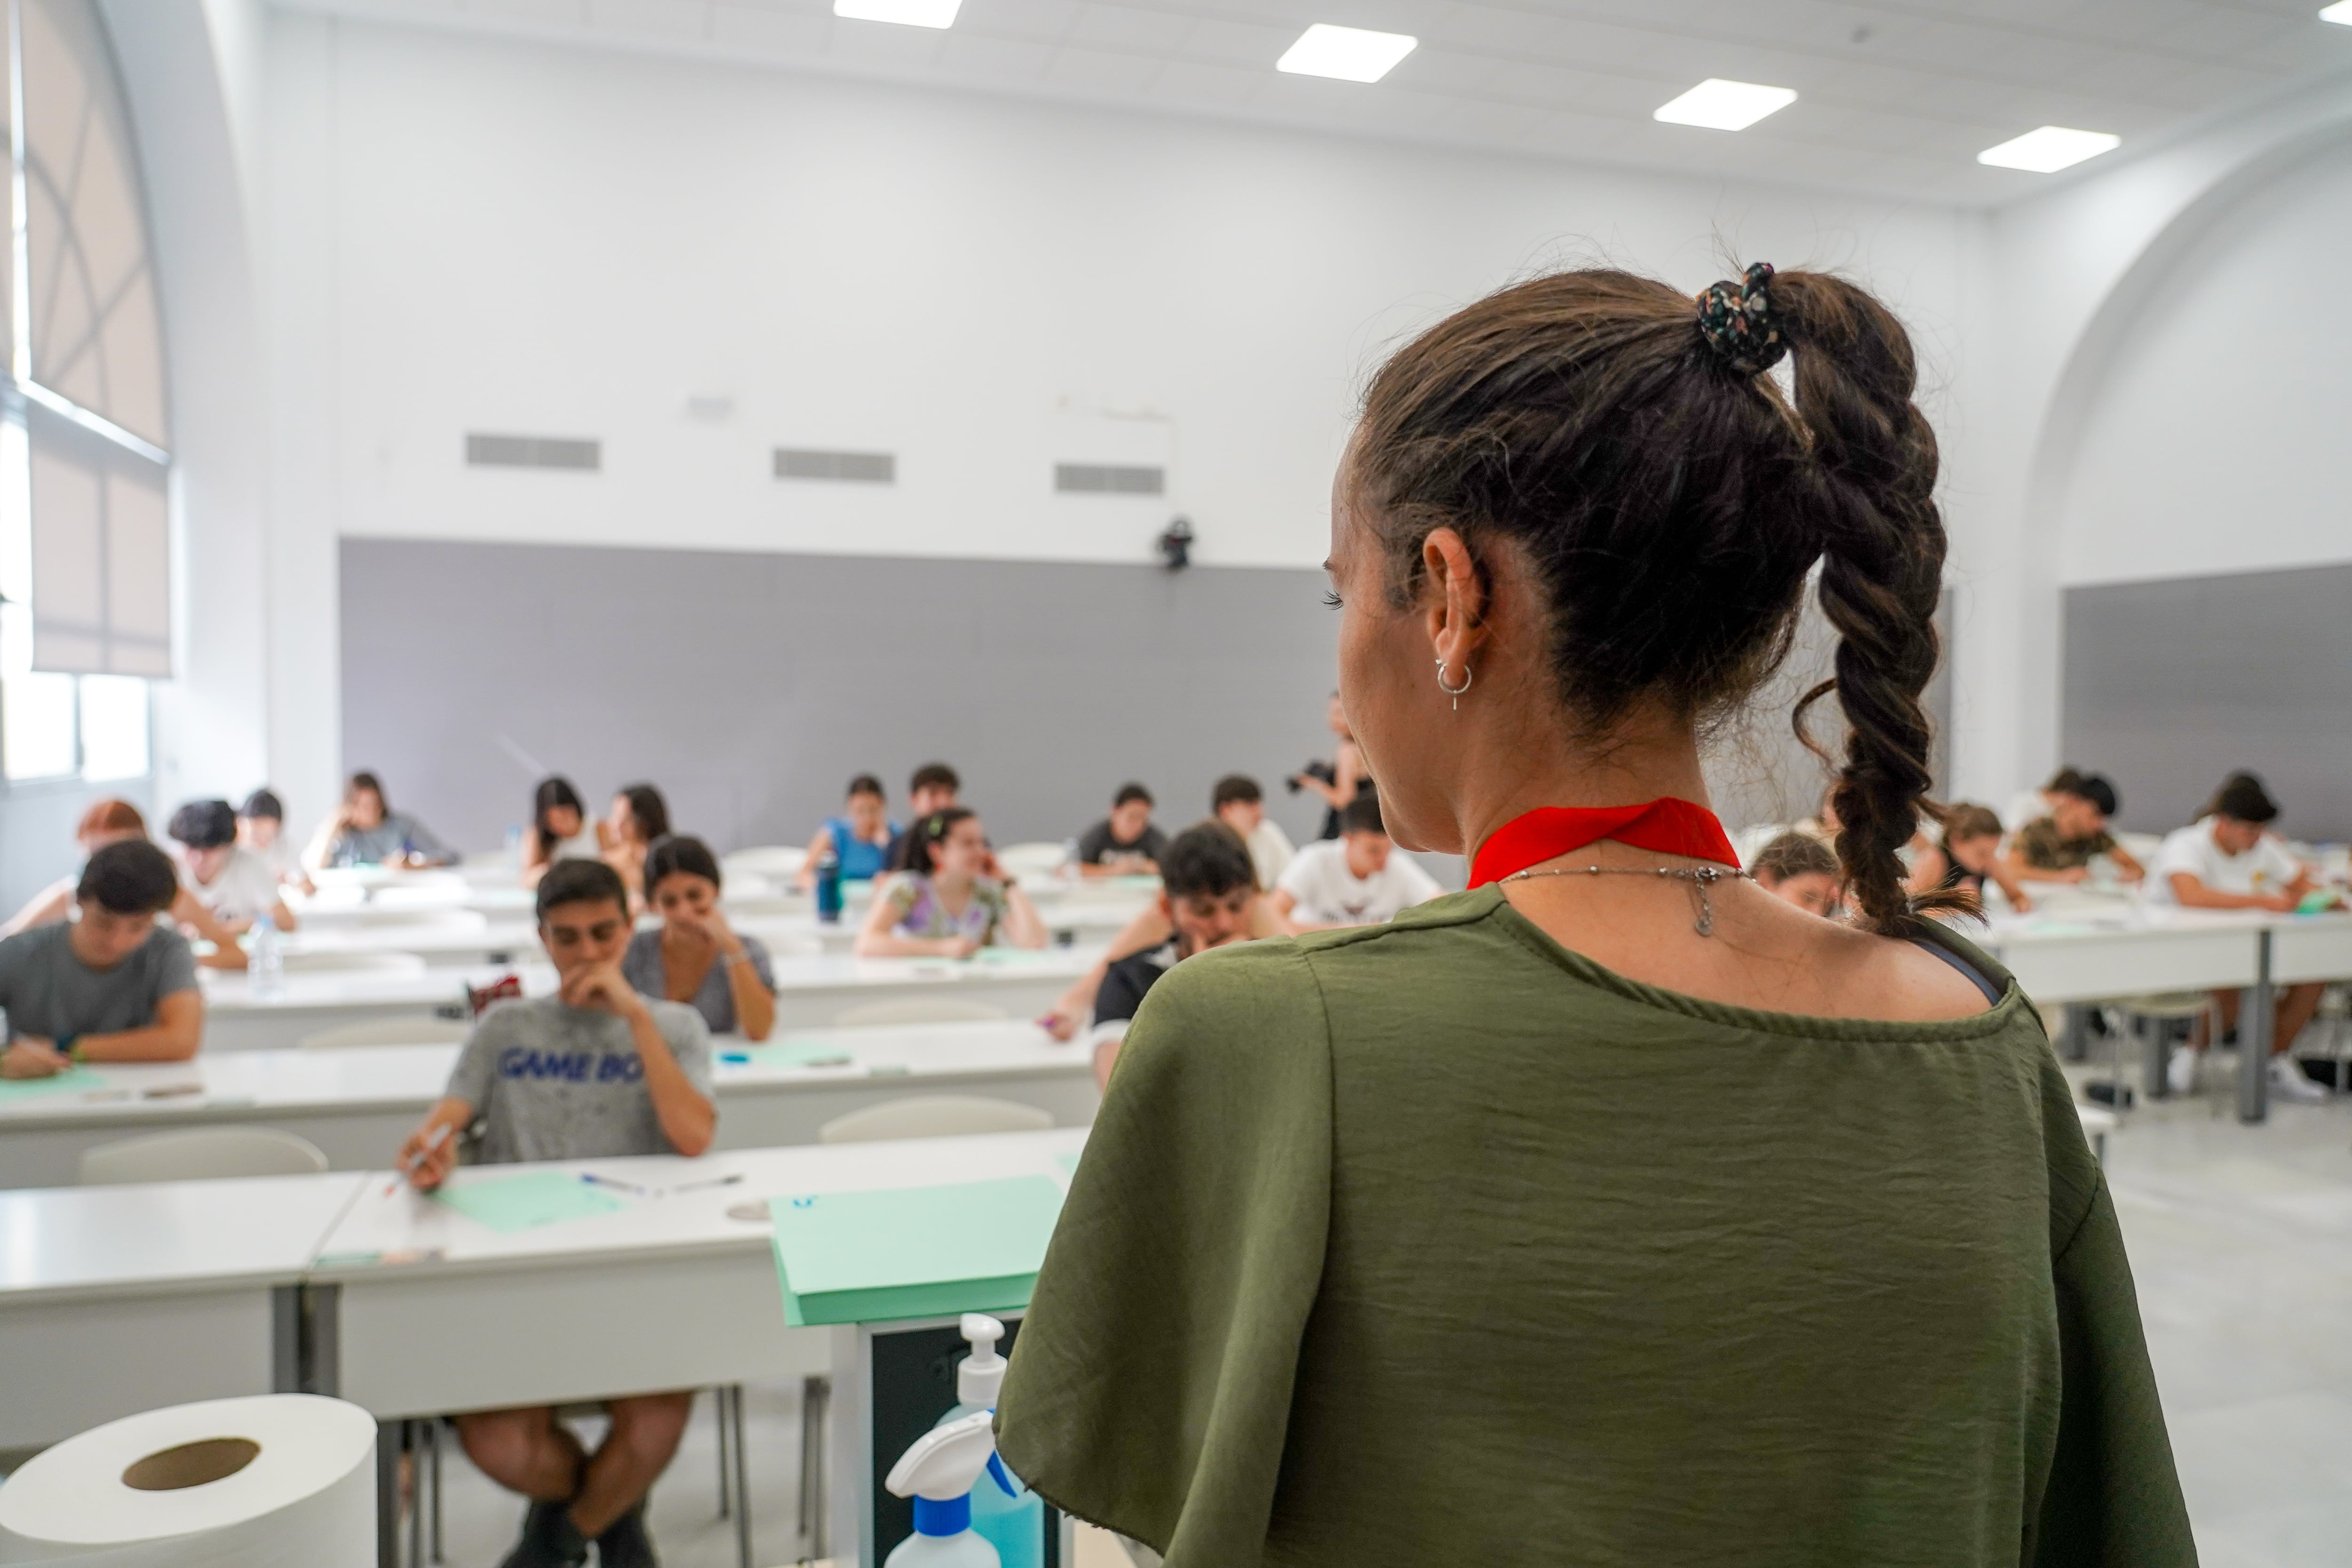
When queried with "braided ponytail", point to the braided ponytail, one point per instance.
{"points": [[1875, 464]]}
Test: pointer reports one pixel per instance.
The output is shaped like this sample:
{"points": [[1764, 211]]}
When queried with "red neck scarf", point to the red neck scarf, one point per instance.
{"points": [[1665, 826]]}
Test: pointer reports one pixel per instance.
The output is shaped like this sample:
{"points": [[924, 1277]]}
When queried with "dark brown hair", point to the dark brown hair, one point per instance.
{"points": [[1671, 508], [648, 811], [679, 855], [928, 833], [1792, 855], [1964, 820]]}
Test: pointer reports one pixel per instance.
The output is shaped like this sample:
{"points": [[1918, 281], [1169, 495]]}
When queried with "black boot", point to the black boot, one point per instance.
{"points": [[625, 1544], [550, 1539]]}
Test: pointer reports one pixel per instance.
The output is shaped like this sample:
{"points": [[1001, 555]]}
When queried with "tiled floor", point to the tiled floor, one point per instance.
{"points": [[2241, 1239]]}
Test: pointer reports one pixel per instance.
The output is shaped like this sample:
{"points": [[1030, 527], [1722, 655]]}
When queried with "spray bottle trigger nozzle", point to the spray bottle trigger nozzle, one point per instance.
{"points": [[996, 1469]]}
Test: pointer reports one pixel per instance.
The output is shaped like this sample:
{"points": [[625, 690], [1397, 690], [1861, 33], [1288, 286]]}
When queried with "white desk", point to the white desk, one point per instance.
{"points": [[434, 1312], [811, 991], [119, 1300], [358, 1103]]}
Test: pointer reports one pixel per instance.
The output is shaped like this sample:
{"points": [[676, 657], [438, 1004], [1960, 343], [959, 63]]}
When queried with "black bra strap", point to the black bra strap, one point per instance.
{"points": [[1977, 977]]}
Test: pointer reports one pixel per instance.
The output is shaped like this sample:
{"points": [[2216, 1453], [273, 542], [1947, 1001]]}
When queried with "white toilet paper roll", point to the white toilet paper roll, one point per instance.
{"points": [[278, 1480]]}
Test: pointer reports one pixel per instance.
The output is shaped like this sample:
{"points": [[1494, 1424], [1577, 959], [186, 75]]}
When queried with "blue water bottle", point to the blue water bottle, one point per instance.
{"points": [[828, 886]]}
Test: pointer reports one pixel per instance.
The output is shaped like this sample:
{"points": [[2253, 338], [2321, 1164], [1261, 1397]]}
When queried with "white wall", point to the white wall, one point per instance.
{"points": [[475, 234]]}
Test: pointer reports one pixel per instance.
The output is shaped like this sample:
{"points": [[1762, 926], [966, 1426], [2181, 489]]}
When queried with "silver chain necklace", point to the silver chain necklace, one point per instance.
{"points": [[1700, 879]]}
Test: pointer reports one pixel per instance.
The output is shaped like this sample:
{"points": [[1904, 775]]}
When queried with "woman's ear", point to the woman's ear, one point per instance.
{"points": [[1454, 599]]}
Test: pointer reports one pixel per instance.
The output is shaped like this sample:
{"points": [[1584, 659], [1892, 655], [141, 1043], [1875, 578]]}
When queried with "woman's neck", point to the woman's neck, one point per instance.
{"points": [[1636, 764]]}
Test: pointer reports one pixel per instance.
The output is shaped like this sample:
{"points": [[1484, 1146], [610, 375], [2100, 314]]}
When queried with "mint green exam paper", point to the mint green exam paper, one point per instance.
{"points": [[913, 1252], [73, 1080], [787, 1054], [528, 1200]]}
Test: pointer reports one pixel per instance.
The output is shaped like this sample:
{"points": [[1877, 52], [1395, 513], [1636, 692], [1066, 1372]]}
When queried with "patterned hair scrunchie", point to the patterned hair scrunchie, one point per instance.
{"points": [[1740, 323]]}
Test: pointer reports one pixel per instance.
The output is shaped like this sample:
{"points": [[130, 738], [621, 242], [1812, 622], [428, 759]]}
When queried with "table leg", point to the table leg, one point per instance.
{"points": [[387, 1494], [743, 1481], [2156, 1055], [2255, 1019], [2075, 1040]]}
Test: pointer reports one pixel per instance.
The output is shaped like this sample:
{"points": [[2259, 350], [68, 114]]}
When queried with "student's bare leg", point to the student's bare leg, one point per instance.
{"points": [[2297, 1006], [527, 1451], [2222, 1015], [646, 1431]]}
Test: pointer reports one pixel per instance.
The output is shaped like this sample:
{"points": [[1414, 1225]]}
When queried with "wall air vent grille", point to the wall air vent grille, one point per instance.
{"points": [[859, 468], [534, 452], [1106, 479]]}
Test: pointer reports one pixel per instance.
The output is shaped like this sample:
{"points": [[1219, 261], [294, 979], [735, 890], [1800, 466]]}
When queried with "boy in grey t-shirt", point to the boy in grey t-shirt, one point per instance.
{"points": [[596, 1070], [110, 986]]}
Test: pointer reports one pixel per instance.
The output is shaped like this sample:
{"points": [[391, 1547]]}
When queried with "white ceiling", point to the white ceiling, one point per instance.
{"points": [[1895, 95]]}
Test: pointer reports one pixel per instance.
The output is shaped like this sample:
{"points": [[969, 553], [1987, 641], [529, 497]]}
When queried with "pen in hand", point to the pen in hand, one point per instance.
{"points": [[406, 1168]]}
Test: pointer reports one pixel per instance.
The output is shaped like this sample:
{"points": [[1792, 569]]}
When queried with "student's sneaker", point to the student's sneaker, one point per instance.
{"points": [[2288, 1083], [625, 1544], [2180, 1072], [549, 1539]]}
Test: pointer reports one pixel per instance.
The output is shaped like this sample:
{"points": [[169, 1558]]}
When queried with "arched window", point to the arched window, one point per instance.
{"points": [[85, 519]]}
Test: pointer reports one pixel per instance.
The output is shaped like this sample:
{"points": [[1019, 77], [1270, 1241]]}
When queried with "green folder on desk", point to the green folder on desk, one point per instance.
{"points": [[913, 1252], [73, 1080]]}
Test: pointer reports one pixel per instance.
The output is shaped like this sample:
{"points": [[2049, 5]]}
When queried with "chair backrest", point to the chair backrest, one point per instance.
{"points": [[388, 1032], [1033, 860], [781, 861], [349, 962], [918, 1010], [933, 1116], [199, 1154]]}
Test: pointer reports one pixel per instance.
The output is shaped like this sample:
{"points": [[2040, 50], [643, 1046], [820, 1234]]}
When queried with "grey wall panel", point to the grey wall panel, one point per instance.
{"points": [[751, 686], [2171, 685]]}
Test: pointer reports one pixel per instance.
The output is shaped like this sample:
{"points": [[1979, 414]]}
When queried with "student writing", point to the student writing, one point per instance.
{"points": [[1123, 844], [1357, 879], [596, 1070], [110, 984], [365, 831], [859, 839], [1238, 803]]}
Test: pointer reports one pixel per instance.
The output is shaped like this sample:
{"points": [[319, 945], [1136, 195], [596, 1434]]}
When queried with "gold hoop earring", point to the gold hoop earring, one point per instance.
{"points": [[1454, 691]]}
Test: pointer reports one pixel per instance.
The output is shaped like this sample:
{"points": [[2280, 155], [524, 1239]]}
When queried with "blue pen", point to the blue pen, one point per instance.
{"points": [[593, 1180]]}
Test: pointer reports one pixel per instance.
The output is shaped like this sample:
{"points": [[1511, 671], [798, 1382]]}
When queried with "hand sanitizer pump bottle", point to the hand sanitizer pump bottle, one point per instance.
{"points": [[939, 1472], [1013, 1521]]}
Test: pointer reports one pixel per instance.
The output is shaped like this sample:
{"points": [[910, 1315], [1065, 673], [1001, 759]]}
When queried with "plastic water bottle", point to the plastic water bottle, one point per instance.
{"points": [[828, 886], [269, 960], [514, 846]]}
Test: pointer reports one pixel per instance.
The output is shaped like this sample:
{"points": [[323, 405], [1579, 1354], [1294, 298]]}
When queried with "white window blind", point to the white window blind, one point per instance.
{"points": [[101, 555]]}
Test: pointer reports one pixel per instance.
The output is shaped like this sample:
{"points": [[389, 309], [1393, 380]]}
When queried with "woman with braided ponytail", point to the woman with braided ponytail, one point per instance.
{"points": [[1412, 1244]]}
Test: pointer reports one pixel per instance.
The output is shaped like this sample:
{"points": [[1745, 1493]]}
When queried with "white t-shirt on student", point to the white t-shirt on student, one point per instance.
{"points": [[2267, 868], [2023, 807], [245, 888], [1327, 893], [1270, 852]]}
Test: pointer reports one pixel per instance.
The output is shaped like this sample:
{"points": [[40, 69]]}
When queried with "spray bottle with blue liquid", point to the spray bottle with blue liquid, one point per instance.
{"points": [[940, 1473], [1013, 1520]]}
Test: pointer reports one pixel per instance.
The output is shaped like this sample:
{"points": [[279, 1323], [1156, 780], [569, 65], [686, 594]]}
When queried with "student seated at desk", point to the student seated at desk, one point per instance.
{"points": [[109, 820], [1968, 855], [2228, 860], [933, 789], [1207, 889], [1123, 844], [1799, 869], [109, 986], [637, 817], [365, 831], [1240, 805], [952, 900], [558, 831], [2060, 845], [594, 1071], [230, 880], [859, 838], [695, 957], [262, 831], [1355, 879]]}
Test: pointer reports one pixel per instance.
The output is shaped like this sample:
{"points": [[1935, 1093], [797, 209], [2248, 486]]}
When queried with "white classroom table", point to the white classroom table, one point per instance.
{"points": [[811, 991], [119, 1300], [433, 1312], [357, 1103]]}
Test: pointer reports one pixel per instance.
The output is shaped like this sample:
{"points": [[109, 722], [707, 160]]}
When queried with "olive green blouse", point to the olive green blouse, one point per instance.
{"points": [[1435, 1243]]}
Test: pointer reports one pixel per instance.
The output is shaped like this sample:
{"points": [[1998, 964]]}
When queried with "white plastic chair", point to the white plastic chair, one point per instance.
{"points": [[918, 1010], [2097, 1123], [348, 963], [777, 862], [201, 1153], [933, 1116], [1035, 862], [387, 1032]]}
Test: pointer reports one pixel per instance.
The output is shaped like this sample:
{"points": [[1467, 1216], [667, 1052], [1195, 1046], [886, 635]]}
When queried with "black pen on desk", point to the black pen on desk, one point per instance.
{"points": [[714, 1181]]}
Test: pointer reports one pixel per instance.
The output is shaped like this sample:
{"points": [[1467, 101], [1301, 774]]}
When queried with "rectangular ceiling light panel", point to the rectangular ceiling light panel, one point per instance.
{"points": [[907, 13], [1720, 105], [2049, 150], [1345, 54]]}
